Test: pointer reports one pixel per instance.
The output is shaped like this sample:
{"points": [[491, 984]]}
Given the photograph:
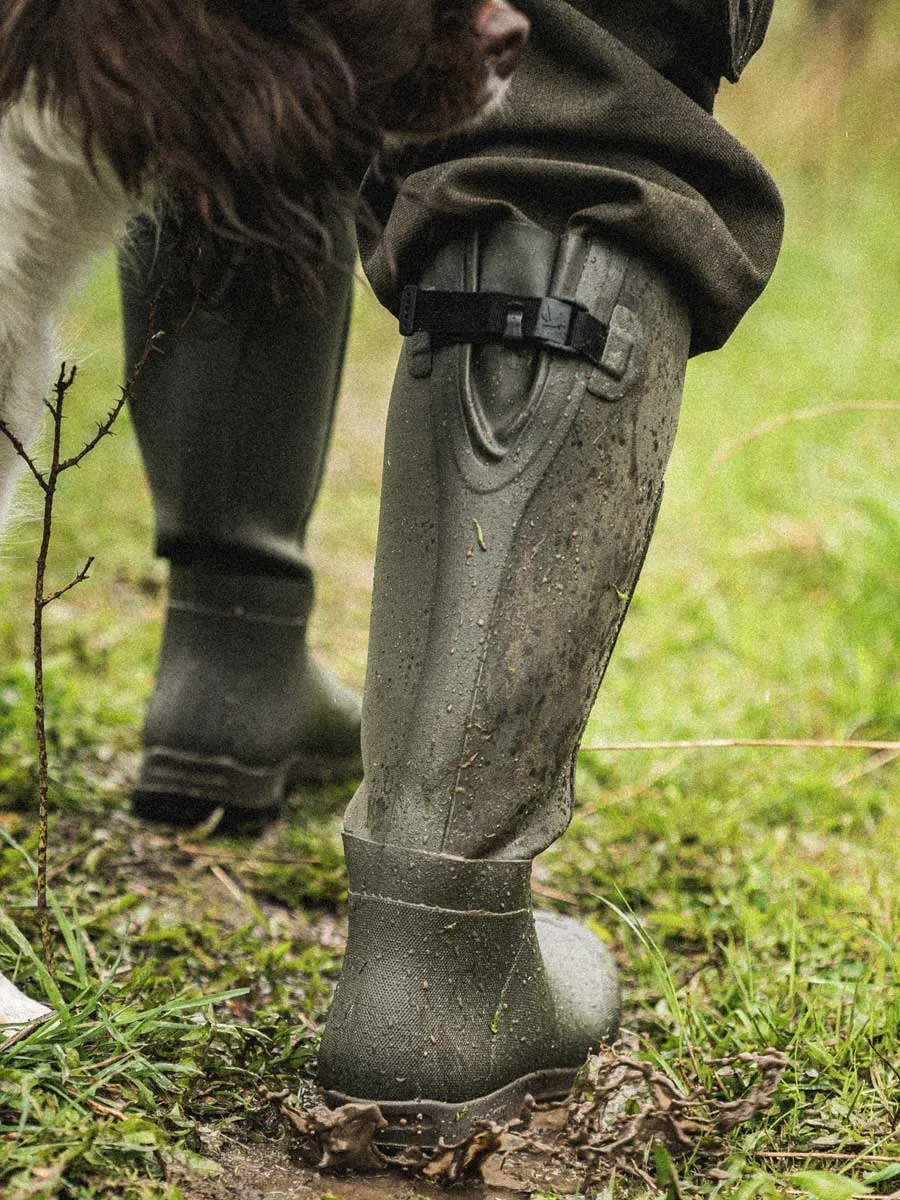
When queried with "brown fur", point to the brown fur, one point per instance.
{"points": [[257, 114]]}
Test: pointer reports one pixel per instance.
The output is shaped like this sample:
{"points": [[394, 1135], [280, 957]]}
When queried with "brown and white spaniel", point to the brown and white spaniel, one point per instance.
{"points": [[255, 115]]}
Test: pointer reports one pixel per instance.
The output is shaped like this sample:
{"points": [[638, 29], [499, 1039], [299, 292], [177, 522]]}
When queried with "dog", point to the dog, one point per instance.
{"points": [[252, 115]]}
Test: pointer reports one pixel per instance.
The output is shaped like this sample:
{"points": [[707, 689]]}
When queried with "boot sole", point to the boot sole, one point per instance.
{"points": [[179, 788], [427, 1123]]}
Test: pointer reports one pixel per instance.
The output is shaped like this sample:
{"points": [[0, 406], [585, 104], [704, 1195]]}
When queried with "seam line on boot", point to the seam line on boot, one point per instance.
{"points": [[460, 912], [504, 991], [237, 612]]}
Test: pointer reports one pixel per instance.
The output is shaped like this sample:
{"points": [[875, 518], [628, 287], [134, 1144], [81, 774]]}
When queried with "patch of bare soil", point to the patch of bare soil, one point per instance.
{"points": [[266, 1171], [622, 1109]]}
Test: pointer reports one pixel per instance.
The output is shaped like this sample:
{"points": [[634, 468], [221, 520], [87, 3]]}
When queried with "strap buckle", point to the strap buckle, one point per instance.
{"points": [[547, 322]]}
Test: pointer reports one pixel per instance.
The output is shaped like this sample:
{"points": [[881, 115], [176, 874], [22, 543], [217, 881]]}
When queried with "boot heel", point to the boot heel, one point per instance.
{"points": [[428, 1123], [184, 789], [456, 1001]]}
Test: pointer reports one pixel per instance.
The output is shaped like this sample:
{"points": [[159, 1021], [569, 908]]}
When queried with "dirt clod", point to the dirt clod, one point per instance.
{"points": [[343, 1137]]}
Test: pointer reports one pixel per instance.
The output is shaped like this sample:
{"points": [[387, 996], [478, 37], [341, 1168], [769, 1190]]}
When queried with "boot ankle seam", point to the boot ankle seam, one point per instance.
{"points": [[236, 612], [459, 912]]}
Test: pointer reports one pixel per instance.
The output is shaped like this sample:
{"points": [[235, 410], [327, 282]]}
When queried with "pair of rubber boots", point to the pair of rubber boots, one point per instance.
{"points": [[520, 490]]}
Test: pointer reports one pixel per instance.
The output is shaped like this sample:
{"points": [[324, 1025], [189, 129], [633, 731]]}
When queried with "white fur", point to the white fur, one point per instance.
{"points": [[56, 214]]}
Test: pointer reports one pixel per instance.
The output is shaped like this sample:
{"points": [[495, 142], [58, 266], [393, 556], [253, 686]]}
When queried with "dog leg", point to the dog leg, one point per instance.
{"points": [[56, 213]]}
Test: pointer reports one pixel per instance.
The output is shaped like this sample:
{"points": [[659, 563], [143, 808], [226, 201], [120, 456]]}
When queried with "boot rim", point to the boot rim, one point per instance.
{"points": [[409, 875], [430, 1123]]}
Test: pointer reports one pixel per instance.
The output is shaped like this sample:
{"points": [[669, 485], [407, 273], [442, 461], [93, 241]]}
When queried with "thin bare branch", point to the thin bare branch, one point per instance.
{"points": [[79, 578], [105, 427], [63, 383], [20, 450], [746, 744], [824, 1156], [49, 482], [882, 759], [728, 449]]}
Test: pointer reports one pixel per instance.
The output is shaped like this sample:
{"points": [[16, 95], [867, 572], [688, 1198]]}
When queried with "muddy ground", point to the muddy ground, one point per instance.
{"points": [[267, 1171]]}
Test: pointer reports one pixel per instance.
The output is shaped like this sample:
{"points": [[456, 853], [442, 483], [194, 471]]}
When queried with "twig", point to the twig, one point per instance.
{"points": [[627, 794], [79, 578], [61, 868], [747, 744], [882, 759], [229, 884], [824, 1156], [250, 863], [648, 1181], [22, 453], [91, 950], [854, 1196], [105, 427], [728, 449], [549, 893], [108, 1062], [48, 482], [102, 1110], [61, 387]]}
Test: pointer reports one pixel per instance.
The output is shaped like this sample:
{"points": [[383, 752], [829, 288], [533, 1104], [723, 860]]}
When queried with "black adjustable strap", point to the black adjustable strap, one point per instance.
{"points": [[545, 321]]}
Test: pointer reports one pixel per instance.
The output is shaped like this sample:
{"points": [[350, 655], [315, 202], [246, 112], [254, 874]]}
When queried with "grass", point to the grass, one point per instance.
{"points": [[756, 893]]}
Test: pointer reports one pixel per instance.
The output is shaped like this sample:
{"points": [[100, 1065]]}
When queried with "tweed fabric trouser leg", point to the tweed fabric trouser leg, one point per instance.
{"points": [[605, 134]]}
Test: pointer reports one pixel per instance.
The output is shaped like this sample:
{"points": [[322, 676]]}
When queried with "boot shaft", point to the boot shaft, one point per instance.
{"points": [[233, 413], [519, 494]]}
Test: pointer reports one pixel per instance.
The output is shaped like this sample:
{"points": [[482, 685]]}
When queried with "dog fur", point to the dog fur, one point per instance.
{"points": [[254, 116]]}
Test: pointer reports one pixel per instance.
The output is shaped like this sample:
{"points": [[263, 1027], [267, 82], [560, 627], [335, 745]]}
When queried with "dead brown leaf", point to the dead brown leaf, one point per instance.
{"points": [[343, 1137], [467, 1159]]}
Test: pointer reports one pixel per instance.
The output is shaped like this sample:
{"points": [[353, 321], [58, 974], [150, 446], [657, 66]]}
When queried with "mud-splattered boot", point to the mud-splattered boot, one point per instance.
{"points": [[233, 413], [522, 481]]}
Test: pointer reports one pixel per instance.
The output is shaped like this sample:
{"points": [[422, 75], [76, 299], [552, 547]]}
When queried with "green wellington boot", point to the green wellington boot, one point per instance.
{"points": [[521, 488], [233, 415]]}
